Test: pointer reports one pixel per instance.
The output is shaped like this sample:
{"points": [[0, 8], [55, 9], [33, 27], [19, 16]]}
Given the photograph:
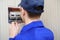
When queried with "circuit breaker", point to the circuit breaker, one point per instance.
{"points": [[14, 15]]}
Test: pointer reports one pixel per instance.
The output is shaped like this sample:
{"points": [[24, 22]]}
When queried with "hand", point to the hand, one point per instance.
{"points": [[14, 28]]}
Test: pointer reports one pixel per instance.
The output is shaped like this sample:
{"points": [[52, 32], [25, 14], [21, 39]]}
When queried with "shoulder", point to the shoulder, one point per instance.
{"points": [[44, 32]]}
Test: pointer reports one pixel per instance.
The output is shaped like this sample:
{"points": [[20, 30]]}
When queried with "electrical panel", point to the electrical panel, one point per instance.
{"points": [[14, 15]]}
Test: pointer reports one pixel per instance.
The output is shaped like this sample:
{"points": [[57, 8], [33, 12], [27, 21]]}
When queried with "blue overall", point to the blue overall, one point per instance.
{"points": [[34, 31]]}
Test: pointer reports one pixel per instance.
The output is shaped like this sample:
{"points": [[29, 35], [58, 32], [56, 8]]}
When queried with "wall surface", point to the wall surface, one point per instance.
{"points": [[50, 18]]}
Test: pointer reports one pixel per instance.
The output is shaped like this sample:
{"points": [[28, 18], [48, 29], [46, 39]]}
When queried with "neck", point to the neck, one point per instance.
{"points": [[29, 21]]}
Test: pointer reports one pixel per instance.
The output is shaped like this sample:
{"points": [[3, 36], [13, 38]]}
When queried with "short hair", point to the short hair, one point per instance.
{"points": [[33, 15]]}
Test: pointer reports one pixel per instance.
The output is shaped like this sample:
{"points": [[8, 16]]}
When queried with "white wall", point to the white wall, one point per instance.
{"points": [[50, 18], [3, 18]]}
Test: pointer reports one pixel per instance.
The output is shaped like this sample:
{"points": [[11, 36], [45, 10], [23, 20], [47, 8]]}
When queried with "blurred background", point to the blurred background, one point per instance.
{"points": [[50, 17]]}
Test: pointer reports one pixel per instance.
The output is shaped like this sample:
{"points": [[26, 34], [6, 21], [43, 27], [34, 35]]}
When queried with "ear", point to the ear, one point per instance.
{"points": [[23, 12]]}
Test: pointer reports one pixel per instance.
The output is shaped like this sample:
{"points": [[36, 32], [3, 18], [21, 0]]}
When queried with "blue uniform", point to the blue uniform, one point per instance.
{"points": [[34, 31]]}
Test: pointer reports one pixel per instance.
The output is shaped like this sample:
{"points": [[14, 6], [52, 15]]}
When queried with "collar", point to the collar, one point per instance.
{"points": [[32, 25]]}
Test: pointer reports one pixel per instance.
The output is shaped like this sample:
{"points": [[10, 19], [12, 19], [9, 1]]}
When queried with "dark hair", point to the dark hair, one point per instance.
{"points": [[33, 15]]}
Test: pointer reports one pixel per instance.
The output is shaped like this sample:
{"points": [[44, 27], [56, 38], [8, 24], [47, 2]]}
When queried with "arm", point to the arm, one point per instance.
{"points": [[13, 30]]}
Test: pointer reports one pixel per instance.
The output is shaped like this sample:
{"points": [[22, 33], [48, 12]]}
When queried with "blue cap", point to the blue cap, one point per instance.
{"points": [[30, 5]]}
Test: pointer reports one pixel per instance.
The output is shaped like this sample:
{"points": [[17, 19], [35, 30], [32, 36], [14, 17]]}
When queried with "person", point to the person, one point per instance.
{"points": [[34, 28]]}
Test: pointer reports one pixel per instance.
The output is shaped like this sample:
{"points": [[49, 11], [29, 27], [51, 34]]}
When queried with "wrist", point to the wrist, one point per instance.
{"points": [[12, 35]]}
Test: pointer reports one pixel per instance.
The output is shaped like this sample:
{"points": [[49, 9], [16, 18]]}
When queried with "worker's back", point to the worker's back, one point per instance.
{"points": [[35, 31]]}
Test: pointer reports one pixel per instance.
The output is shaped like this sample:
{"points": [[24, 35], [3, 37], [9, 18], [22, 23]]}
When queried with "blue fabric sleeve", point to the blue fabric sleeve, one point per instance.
{"points": [[11, 38]]}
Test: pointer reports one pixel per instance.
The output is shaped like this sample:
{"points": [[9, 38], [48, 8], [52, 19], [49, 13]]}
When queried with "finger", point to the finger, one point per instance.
{"points": [[17, 24], [13, 23]]}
